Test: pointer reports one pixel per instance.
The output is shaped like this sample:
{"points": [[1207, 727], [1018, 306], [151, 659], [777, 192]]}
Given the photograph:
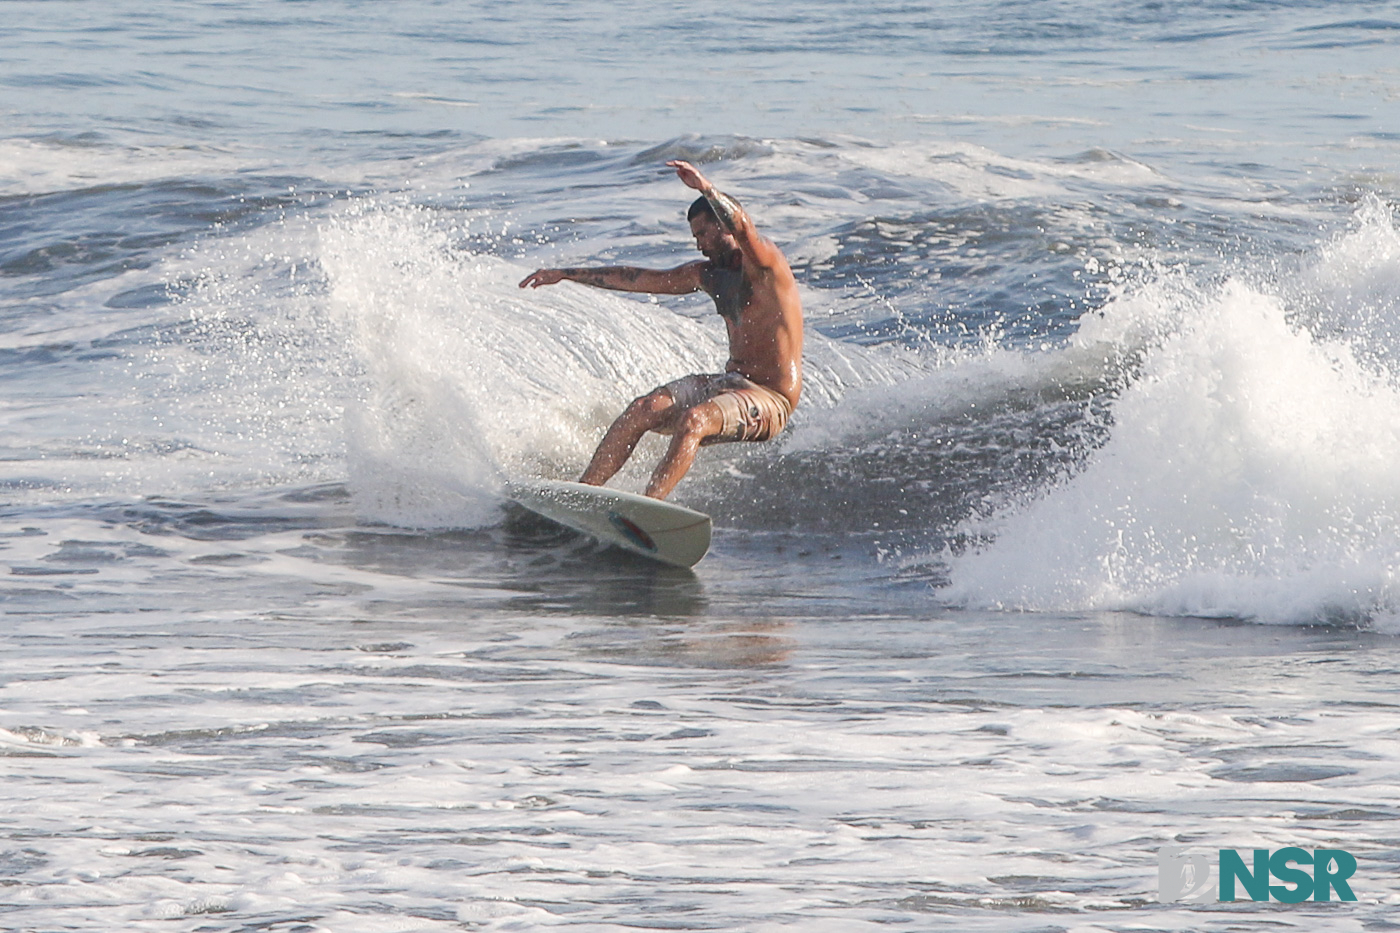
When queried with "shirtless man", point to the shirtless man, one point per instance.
{"points": [[756, 294]]}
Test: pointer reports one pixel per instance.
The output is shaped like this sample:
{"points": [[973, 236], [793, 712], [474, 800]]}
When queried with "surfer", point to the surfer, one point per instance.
{"points": [[755, 293]]}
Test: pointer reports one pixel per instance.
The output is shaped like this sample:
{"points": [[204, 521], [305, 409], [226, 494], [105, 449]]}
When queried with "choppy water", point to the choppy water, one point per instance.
{"points": [[1084, 541]]}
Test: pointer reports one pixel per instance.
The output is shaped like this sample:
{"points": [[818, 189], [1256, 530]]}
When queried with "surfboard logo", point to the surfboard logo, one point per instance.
{"points": [[632, 531]]}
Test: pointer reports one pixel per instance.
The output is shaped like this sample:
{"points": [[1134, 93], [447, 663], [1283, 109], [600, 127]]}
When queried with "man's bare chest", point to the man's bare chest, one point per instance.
{"points": [[731, 290]]}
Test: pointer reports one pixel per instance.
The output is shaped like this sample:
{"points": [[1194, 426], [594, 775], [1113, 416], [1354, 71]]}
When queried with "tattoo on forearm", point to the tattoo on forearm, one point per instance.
{"points": [[605, 276], [726, 208]]}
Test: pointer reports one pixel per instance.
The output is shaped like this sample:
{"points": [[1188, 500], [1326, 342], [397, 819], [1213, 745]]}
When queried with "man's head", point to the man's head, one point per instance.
{"points": [[711, 239]]}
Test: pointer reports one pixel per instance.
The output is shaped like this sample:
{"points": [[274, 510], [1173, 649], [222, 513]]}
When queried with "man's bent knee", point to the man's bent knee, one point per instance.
{"points": [[700, 421], [652, 407]]}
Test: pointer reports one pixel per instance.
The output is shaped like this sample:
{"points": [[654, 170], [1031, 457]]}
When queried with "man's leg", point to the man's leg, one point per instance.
{"points": [[645, 414], [692, 427]]}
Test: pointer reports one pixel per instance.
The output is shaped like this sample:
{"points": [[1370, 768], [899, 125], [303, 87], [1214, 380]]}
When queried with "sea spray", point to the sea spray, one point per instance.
{"points": [[1249, 473], [211, 368], [468, 378], [1350, 290]]}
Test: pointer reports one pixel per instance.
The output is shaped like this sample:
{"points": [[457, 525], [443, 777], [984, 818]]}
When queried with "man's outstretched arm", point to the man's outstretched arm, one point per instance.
{"points": [[678, 281]]}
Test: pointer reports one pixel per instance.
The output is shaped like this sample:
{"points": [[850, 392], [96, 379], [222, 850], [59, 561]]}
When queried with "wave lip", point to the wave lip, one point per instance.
{"points": [[1249, 473]]}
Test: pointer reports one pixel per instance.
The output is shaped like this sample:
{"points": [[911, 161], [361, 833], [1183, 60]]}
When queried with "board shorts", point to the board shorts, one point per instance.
{"points": [[751, 412]]}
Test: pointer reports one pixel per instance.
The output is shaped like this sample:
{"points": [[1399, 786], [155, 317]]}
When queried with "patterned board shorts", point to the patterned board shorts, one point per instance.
{"points": [[751, 412]]}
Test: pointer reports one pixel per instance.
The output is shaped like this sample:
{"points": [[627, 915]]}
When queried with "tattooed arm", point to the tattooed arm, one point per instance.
{"points": [[678, 281], [757, 248]]}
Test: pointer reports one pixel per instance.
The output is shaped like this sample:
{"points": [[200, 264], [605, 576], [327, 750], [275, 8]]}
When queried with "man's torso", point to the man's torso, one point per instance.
{"points": [[764, 318]]}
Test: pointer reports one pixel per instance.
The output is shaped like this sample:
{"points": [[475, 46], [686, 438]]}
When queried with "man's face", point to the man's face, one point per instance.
{"points": [[710, 238]]}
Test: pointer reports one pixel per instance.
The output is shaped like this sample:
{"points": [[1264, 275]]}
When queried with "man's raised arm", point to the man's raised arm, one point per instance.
{"points": [[731, 216], [678, 281]]}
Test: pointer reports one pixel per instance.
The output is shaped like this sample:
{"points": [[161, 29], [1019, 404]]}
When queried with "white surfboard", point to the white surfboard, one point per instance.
{"points": [[669, 533]]}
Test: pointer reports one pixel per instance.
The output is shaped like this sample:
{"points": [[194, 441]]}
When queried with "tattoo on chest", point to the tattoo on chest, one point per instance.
{"points": [[729, 288]]}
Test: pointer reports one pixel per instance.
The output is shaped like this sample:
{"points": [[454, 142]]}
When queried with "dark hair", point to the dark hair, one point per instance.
{"points": [[700, 205]]}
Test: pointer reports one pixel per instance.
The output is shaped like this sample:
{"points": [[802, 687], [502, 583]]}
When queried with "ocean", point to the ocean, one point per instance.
{"points": [[1084, 542]]}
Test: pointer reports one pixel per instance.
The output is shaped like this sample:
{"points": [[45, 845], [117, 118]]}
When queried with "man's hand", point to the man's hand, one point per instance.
{"points": [[690, 175], [543, 277]]}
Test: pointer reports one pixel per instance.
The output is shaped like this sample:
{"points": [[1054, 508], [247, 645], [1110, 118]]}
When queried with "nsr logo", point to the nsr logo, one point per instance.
{"points": [[1185, 876]]}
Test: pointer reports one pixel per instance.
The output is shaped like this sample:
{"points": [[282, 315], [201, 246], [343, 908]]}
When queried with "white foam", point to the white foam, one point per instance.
{"points": [[29, 166], [1250, 471], [467, 377]]}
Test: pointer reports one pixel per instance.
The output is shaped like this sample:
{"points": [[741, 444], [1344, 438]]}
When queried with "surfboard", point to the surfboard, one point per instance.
{"points": [[650, 527]]}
